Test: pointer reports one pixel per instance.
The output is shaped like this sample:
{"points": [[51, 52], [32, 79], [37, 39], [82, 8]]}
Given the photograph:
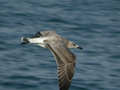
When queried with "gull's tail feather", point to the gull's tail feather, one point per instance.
{"points": [[24, 40]]}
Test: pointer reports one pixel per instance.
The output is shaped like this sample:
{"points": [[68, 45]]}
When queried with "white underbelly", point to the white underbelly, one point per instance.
{"points": [[38, 41], [42, 45]]}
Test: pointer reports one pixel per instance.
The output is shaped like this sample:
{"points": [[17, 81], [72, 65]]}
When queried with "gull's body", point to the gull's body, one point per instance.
{"points": [[65, 59]]}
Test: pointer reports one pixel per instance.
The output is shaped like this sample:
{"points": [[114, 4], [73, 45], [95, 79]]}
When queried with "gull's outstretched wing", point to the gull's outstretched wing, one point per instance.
{"points": [[65, 60]]}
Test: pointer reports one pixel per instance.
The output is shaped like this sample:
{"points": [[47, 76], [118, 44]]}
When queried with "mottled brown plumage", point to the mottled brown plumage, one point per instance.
{"points": [[59, 47]]}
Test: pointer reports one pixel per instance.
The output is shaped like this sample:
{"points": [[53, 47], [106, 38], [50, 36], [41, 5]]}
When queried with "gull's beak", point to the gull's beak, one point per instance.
{"points": [[24, 40], [79, 47]]}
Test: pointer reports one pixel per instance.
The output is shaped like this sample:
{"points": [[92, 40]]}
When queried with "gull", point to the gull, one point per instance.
{"points": [[59, 47]]}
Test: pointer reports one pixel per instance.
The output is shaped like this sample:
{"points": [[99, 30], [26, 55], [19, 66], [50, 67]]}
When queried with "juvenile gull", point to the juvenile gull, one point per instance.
{"points": [[58, 45]]}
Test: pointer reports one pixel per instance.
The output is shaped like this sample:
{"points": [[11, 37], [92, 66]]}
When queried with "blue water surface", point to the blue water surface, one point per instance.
{"points": [[93, 24]]}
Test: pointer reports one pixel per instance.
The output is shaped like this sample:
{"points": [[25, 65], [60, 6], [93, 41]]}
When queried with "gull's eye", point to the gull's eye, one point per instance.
{"points": [[74, 44]]}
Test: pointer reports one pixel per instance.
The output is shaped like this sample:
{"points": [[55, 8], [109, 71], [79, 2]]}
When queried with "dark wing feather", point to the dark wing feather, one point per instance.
{"points": [[65, 74], [65, 60]]}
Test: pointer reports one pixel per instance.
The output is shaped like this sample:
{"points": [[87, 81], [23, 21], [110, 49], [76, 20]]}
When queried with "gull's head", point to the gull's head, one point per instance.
{"points": [[36, 39], [73, 45]]}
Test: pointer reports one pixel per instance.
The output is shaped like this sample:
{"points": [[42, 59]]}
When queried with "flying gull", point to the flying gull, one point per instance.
{"points": [[59, 47]]}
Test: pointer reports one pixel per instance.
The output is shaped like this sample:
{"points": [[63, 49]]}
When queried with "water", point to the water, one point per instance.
{"points": [[93, 24]]}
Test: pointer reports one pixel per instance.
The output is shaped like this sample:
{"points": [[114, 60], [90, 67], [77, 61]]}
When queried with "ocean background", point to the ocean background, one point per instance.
{"points": [[93, 24]]}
